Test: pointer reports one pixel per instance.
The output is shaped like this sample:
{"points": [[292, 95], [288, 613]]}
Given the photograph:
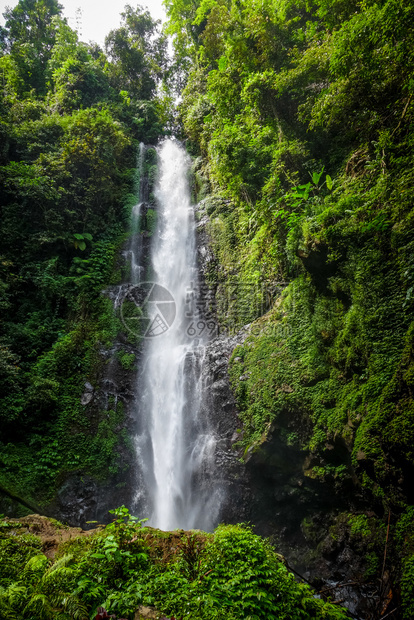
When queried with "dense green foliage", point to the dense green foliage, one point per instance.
{"points": [[301, 114], [276, 83], [71, 119], [231, 573]]}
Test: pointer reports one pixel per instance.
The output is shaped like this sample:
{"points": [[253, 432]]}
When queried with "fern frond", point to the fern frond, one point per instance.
{"points": [[63, 561], [75, 608], [6, 611], [39, 604], [58, 578], [34, 568], [17, 595]]}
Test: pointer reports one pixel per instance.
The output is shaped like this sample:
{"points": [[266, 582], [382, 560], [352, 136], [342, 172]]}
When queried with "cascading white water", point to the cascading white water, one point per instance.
{"points": [[136, 268], [135, 245], [174, 446], [133, 254]]}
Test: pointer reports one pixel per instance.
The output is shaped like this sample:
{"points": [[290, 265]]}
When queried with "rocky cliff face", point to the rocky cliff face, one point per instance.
{"points": [[219, 408], [82, 497]]}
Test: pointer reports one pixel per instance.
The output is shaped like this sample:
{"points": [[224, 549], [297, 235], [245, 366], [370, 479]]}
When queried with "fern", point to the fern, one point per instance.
{"points": [[61, 563], [39, 605], [34, 568], [17, 595], [61, 579], [46, 594], [75, 608], [7, 612]]}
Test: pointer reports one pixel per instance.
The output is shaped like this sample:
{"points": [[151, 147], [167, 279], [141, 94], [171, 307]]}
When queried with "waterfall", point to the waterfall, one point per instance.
{"points": [[174, 445], [133, 254], [135, 246]]}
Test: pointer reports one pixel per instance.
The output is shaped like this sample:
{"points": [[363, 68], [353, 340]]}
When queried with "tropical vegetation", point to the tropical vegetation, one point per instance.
{"points": [[299, 117]]}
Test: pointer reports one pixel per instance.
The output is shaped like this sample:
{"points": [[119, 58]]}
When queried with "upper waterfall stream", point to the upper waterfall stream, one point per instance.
{"points": [[174, 445]]}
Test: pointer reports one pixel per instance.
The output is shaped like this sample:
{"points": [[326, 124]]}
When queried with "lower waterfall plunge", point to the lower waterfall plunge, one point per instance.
{"points": [[174, 445]]}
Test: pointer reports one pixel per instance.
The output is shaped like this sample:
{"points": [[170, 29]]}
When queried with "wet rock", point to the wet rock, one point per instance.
{"points": [[219, 409], [237, 435], [86, 398], [88, 394], [245, 376], [77, 500]]}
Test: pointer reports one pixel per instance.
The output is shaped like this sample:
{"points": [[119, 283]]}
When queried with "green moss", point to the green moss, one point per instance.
{"points": [[359, 525], [151, 221], [127, 360], [335, 355], [407, 587]]}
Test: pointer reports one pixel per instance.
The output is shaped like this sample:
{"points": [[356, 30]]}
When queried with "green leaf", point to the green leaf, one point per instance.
{"points": [[329, 182], [316, 176], [82, 245]]}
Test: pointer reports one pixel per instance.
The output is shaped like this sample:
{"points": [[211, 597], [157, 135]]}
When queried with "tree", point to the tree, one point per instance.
{"points": [[137, 52], [31, 32]]}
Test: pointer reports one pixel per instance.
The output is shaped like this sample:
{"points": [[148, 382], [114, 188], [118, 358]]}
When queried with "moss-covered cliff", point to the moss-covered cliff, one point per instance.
{"points": [[301, 116]]}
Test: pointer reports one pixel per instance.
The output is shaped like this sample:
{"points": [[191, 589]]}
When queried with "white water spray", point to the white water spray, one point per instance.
{"points": [[174, 446]]}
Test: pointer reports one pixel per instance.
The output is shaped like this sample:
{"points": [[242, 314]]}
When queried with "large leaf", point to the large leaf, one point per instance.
{"points": [[316, 176], [329, 182]]}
